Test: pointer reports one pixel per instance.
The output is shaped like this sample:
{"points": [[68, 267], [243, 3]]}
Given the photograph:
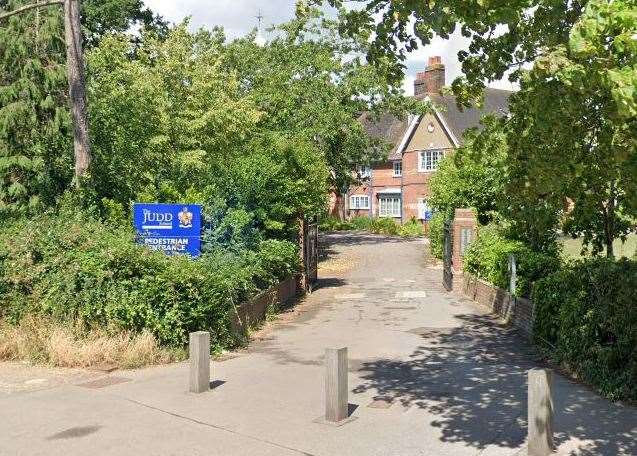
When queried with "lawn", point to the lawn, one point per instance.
{"points": [[573, 247]]}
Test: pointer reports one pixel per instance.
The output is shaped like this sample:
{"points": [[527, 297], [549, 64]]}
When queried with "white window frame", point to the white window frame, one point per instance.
{"points": [[393, 210], [355, 202], [364, 171], [398, 168], [423, 206], [429, 160]]}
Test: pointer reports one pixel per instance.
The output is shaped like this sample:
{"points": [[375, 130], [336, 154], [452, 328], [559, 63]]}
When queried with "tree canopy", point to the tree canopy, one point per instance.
{"points": [[573, 129], [504, 35], [570, 160]]}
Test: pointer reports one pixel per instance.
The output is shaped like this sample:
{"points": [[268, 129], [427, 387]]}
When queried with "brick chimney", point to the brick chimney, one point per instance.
{"points": [[432, 80]]}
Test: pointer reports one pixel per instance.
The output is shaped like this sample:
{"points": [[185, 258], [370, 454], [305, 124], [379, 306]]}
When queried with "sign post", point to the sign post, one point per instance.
{"points": [[170, 228]]}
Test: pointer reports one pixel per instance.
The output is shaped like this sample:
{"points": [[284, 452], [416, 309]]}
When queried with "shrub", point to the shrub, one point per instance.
{"points": [[437, 235], [360, 222], [386, 226], [71, 267], [413, 228], [586, 318], [332, 223], [488, 258]]}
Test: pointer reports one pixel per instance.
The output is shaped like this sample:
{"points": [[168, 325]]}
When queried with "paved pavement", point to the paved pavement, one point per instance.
{"points": [[429, 374]]}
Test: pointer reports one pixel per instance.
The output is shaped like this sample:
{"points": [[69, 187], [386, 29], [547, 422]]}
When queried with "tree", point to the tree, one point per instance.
{"points": [[504, 35], [573, 128], [75, 75], [35, 125], [34, 122], [475, 175], [309, 81], [101, 17], [172, 123]]}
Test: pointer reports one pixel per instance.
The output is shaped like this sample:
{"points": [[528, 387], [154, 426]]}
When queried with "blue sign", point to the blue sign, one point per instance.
{"points": [[170, 228]]}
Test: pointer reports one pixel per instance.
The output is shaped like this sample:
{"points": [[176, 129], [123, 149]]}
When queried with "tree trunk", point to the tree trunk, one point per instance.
{"points": [[77, 88]]}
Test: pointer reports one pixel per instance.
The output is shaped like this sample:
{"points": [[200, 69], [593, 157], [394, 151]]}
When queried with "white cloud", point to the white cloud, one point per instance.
{"points": [[238, 17]]}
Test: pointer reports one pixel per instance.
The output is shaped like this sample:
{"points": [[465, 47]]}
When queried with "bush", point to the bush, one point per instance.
{"points": [[488, 258], [413, 228], [71, 267], [332, 223], [586, 318], [385, 226], [360, 222], [437, 235]]}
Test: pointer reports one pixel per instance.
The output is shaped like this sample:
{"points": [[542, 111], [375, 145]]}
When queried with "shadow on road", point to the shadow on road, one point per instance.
{"points": [[473, 379]]}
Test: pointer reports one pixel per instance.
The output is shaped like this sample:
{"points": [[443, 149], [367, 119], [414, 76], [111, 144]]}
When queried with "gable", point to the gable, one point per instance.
{"points": [[422, 138]]}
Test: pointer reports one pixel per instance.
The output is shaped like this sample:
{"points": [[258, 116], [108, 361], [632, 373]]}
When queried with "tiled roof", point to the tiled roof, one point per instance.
{"points": [[388, 127], [392, 129], [495, 102]]}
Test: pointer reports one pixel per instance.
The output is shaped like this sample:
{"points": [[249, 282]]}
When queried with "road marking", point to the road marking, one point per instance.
{"points": [[351, 296], [411, 294]]}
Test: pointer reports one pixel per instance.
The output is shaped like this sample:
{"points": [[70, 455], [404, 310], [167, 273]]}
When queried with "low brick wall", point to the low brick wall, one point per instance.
{"points": [[515, 311], [254, 311]]}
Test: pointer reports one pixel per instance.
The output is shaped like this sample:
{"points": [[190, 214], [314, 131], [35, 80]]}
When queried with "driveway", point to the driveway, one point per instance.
{"points": [[430, 373]]}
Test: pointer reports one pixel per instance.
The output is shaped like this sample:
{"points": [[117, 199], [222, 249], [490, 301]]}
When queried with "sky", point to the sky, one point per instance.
{"points": [[238, 17]]}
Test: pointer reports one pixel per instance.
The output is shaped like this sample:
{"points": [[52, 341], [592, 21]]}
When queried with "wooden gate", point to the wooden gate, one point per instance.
{"points": [[447, 274], [310, 252]]}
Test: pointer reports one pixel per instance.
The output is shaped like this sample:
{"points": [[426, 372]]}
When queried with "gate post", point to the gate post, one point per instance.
{"points": [[513, 280], [465, 226], [447, 255], [308, 251]]}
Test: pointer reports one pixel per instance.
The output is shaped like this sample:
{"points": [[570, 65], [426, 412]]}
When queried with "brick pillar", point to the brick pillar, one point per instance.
{"points": [[465, 227]]}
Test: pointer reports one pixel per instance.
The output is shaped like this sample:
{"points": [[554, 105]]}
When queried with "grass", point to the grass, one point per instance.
{"points": [[573, 247], [41, 341]]}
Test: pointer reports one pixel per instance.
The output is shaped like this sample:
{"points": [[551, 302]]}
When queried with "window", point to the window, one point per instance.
{"points": [[389, 206], [359, 202], [398, 168], [364, 172], [428, 160], [424, 210]]}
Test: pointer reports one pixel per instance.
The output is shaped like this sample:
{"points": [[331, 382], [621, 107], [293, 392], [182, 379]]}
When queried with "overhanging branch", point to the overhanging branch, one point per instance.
{"points": [[24, 8]]}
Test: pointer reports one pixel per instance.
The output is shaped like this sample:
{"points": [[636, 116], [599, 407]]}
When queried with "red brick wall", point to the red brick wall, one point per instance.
{"points": [[383, 176], [254, 311], [517, 311]]}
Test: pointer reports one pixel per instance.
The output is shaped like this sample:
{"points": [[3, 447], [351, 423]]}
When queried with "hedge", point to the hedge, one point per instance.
{"points": [[488, 258], [586, 318], [76, 268], [380, 225]]}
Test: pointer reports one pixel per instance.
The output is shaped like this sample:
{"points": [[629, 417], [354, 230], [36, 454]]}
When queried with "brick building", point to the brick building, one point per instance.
{"points": [[399, 187]]}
